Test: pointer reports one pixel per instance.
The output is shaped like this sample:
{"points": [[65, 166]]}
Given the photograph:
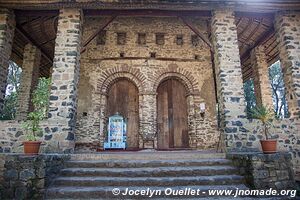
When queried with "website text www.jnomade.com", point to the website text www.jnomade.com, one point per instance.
{"points": [[148, 192]]}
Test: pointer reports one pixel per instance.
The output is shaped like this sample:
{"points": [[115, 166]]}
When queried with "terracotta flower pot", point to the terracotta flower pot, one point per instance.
{"points": [[32, 147], [269, 146]]}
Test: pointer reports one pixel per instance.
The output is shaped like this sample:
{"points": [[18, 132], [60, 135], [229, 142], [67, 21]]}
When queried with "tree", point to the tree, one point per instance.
{"points": [[14, 74], [249, 96], [11, 97], [278, 90]]}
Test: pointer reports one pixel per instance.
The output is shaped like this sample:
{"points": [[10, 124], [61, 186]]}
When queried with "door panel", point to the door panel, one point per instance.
{"points": [[123, 98], [172, 115]]}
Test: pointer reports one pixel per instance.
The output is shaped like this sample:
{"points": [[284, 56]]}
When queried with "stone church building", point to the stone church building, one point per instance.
{"points": [[173, 69]]}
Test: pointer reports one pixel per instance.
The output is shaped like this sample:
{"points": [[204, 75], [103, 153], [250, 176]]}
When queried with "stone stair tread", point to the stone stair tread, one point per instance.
{"points": [[207, 197], [212, 177], [137, 163], [150, 171], [108, 188], [153, 155], [63, 190], [148, 181]]}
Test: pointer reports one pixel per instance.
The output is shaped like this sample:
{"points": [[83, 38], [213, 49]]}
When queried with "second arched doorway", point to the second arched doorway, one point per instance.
{"points": [[172, 116], [123, 98]]}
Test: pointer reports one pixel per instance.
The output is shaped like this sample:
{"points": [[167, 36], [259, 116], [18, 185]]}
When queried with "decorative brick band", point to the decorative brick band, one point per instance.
{"points": [[173, 70], [110, 76]]}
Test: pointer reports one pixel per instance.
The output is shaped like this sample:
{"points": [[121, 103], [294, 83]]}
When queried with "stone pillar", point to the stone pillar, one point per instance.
{"points": [[29, 80], [148, 120], [229, 76], [7, 30], [287, 26], [63, 98], [262, 85]]}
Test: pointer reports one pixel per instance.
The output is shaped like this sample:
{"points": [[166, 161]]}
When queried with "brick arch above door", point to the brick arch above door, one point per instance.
{"points": [[111, 75], [185, 77]]}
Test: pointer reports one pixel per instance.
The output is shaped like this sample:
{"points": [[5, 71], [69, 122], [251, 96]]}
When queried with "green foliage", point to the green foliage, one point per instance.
{"points": [[265, 115], [14, 74], [278, 90], [40, 100], [11, 99], [9, 108], [249, 95]]}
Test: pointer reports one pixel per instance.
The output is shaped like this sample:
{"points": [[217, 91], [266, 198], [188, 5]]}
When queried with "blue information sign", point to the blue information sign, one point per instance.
{"points": [[116, 133]]}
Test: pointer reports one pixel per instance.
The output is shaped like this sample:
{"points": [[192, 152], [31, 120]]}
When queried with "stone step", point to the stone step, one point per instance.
{"points": [[145, 163], [150, 171], [152, 155], [106, 192], [148, 181]]}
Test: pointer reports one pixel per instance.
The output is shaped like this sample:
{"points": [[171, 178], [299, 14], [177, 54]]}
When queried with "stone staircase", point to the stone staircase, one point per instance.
{"points": [[94, 176]]}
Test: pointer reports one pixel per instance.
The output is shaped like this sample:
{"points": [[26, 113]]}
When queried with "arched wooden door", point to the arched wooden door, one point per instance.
{"points": [[123, 98], [172, 115]]}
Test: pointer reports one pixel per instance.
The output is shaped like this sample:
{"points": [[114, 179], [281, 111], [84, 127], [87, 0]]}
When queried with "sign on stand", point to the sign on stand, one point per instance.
{"points": [[116, 133]]}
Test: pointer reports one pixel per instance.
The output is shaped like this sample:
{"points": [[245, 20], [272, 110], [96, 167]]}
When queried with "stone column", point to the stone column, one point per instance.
{"points": [[29, 80], [287, 26], [63, 98], [262, 85], [229, 76], [7, 30], [148, 119]]}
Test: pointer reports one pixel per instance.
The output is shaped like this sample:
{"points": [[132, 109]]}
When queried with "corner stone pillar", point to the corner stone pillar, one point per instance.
{"points": [[287, 26], [63, 98], [29, 80], [262, 85], [229, 77], [7, 30]]}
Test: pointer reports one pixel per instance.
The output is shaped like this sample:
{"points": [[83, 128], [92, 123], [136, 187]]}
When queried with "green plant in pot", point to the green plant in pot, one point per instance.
{"points": [[266, 117], [40, 100]]}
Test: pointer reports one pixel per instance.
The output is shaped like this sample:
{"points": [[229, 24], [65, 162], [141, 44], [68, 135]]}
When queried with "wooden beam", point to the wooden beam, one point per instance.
{"points": [[258, 42], [42, 44], [147, 12], [147, 58], [83, 48], [22, 32], [197, 32], [255, 29], [35, 13], [254, 15]]}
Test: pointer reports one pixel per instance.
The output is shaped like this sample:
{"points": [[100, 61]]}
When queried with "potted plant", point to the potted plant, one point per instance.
{"points": [[265, 116], [40, 99]]}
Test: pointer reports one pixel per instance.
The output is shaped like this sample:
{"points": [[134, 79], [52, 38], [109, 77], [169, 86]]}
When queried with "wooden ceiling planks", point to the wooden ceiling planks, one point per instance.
{"points": [[252, 28]]}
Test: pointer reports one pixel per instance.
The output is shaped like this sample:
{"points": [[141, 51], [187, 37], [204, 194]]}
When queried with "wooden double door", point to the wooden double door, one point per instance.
{"points": [[123, 98], [172, 115]]}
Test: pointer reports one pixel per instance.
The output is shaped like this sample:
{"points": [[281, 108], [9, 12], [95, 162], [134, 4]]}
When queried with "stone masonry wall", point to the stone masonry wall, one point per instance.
{"points": [[26, 177], [7, 29], [262, 85], [102, 65], [265, 171], [63, 98], [229, 77], [29, 80], [288, 34]]}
